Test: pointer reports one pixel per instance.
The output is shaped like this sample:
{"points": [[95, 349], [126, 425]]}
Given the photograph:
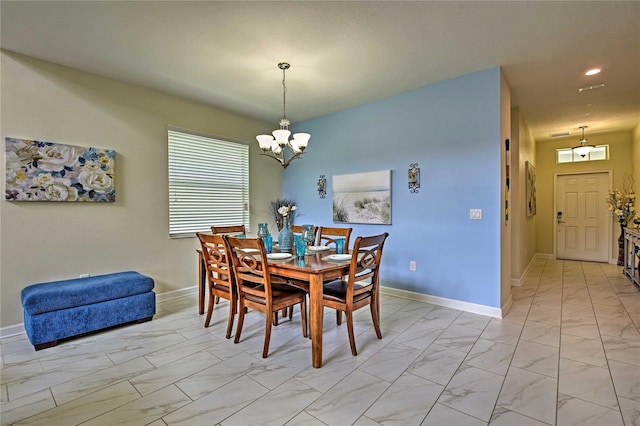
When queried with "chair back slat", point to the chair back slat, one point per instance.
{"points": [[327, 236], [229, 229], [365, 263], [218, 268]]}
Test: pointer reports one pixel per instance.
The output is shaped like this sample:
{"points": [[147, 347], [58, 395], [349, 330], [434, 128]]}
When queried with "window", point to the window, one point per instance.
{"points": [[600, 152], [208, 183]]}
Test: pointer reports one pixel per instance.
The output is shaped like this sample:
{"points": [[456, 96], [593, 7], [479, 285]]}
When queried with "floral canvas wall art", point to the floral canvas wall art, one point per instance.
{"points": [[47, 171], [362, 198]]}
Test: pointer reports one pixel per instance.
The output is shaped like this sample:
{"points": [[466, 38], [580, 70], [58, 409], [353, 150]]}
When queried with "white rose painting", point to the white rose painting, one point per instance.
{"points": [[47, 171]]}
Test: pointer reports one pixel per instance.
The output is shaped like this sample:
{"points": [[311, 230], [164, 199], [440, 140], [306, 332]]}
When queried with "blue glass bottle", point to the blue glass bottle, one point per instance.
{"points": [[285, 238]]}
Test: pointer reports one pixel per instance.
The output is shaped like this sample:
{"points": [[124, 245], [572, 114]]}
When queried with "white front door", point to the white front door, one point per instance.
{"points": [[581, 216]]}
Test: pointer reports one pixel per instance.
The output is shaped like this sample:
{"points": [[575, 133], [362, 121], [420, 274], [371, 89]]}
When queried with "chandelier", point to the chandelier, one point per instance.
{"points": [[274, 146], [583, 149]]}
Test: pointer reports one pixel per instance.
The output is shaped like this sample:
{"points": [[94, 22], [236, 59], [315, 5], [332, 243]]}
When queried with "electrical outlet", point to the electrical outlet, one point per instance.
{"points": [[412, 265], [85, 275], [475, 214]]}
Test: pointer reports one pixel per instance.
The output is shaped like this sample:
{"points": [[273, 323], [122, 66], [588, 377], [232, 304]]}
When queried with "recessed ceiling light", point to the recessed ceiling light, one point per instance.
{"points": [[593, 71]]}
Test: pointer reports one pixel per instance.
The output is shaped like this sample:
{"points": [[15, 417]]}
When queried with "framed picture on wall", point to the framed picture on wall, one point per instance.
{"points": [[362, 198], [530, 172]]}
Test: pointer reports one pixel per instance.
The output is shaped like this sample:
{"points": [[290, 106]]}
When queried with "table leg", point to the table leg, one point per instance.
{"points": [[201, 283], [316, 314]]}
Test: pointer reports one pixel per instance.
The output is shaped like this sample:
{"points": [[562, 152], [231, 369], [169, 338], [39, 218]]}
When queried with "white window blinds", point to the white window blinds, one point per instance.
{"points": [[208, 183]]}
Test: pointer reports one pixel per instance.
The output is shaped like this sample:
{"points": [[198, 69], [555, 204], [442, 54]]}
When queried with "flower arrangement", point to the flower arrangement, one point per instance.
{"points": [[622, 206], [282, 208]]}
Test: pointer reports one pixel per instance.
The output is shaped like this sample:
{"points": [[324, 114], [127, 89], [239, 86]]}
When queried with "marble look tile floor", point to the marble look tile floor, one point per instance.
{"points": [[567, 353]]}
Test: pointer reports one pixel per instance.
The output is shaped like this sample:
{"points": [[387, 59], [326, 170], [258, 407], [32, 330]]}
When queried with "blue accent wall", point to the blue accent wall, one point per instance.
{"points": [[452, 130]]}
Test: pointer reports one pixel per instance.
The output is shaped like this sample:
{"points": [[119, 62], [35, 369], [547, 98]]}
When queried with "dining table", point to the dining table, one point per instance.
{"points": [[315, 268]]}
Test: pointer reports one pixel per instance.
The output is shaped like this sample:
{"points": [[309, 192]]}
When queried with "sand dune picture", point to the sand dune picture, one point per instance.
{"points": [[362, 198]]}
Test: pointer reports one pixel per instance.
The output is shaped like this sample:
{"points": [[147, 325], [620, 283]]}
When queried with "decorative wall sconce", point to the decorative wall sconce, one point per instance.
{"points": [[322, 186], [414, 178]]}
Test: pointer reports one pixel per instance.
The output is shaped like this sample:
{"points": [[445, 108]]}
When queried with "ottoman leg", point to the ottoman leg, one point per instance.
{"points": [[46, 345]]}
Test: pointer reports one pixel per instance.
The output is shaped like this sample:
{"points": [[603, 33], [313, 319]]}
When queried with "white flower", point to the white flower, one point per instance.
{"points": [[96, 179], [43, 179], [56, 157], [285, 210], [58, 191], [622, 206]]}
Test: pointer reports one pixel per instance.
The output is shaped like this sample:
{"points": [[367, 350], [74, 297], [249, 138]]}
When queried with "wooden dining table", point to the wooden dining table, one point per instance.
{"points": [[314, 269]]}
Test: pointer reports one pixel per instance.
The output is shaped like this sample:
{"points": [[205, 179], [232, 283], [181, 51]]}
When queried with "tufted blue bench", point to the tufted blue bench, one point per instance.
{"points": [[60, 309]]}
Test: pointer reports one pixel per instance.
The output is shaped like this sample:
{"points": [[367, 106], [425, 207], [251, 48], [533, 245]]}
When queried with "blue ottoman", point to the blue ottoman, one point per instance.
{"points": [[61, 309]]}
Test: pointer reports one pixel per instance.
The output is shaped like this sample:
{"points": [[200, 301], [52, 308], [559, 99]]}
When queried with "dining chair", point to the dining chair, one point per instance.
{"points": [[256, 289], [328, 235], [219, 276], [229, 229], [226, 230], [361, 287]]}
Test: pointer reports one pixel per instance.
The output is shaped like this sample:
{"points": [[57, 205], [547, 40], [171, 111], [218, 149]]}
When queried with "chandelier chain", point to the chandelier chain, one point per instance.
{"points": [[284, 95]]}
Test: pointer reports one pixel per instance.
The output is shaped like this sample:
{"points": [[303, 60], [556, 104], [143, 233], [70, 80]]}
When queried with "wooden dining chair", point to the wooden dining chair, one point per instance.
{"points": [[361, 287], [256, 289], [219, 277], [229, 229], [327, 236]]}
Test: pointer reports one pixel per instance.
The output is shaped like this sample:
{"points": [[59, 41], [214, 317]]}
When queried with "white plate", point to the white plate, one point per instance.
{"points": [[317, 248], [279, 256], [339, 257]]}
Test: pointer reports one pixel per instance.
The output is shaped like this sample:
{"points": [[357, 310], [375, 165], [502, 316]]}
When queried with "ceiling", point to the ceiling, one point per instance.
{"points": [[344, 54]]}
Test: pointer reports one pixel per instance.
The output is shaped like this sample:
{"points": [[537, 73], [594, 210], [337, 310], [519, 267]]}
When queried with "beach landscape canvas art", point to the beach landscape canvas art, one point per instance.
{"points": [[48, 171], [362, 198]]}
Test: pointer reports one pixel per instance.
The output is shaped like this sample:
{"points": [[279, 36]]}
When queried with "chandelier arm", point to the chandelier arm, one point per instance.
{"points": [[280, 159]]}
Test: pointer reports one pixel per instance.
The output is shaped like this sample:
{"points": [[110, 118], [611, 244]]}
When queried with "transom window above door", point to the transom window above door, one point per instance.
{"points": [[568, 155]]}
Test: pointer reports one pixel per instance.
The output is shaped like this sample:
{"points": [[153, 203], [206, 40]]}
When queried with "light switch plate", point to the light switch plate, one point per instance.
{"points": [[475, 214]]}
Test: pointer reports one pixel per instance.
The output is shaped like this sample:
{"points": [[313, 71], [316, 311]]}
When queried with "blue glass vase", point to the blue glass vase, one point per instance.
{"points": [[263, 230], [285, 238]]}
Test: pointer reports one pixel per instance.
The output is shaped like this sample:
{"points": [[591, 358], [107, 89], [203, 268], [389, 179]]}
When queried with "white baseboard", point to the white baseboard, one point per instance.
{"points": [[517, 282], [507, 305], [441, 301], [545, 256], [13, 330], [168, 295]]}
